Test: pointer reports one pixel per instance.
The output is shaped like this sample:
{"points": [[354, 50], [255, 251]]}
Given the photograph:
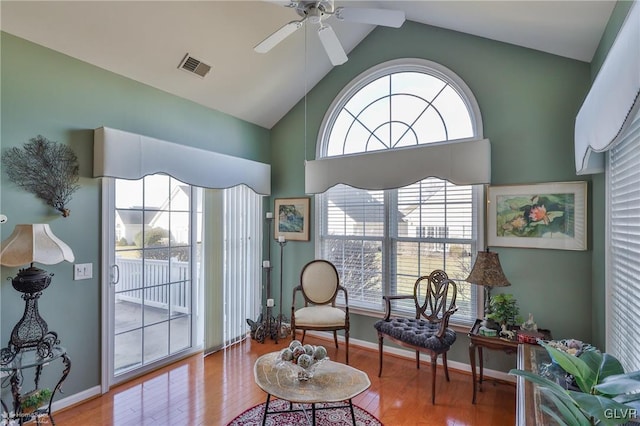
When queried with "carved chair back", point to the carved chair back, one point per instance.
{"points": [[434, 295]]}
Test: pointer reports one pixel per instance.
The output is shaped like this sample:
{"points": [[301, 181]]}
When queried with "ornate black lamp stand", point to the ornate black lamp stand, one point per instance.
{"points": [[32, 331], [266, 324]]}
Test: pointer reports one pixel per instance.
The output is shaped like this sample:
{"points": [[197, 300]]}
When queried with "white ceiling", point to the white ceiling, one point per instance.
{"points": [[146, 40]]}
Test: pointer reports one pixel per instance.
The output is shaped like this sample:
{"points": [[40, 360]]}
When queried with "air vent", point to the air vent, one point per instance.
{"points": [[194, 66]]}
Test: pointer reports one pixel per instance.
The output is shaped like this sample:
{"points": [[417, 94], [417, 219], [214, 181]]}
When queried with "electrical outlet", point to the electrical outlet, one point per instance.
{"points": [[82, 271]]}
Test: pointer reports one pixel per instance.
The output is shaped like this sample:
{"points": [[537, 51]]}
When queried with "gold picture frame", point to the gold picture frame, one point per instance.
{"points": [[292, 217]]}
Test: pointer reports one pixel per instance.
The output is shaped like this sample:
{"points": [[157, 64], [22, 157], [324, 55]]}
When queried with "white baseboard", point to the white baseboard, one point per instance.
{"points": [[409, 354], [76, 398]]}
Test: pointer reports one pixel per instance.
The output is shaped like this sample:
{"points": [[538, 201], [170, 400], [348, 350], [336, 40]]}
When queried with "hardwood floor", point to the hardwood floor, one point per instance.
{"points": [[215, 389]]}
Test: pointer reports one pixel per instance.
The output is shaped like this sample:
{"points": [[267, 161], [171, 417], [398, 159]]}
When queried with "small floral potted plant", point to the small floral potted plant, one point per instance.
{"points": [[35, 399]]}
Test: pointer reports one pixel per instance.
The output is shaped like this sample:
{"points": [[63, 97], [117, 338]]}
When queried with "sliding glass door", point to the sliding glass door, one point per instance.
{"points": [[155, 247]]}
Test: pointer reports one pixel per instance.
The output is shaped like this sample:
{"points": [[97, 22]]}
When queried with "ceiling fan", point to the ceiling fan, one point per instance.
{"points": [[316, 11]]}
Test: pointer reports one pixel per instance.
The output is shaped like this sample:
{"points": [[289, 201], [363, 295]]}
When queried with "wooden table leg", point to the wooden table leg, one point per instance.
{"points": [[472, 359], [481, 362]]}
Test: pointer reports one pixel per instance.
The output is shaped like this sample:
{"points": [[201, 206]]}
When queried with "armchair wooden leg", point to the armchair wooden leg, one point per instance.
{"points": [[434, 364], [418, 360], [346, 341], [304, 333], [380, 338], [444, 364], [335, 338]]}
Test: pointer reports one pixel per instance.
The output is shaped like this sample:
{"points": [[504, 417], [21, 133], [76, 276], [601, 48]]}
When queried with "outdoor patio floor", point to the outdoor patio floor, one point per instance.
{"points": [[145, 334]]}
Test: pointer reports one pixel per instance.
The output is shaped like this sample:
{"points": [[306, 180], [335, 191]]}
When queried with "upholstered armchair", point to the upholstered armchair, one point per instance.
{"points": [[434, 297], [319, 286]]}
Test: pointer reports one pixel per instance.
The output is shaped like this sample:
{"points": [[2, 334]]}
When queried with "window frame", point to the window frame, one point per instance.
{"points": [[392, 67], [478, 191]]}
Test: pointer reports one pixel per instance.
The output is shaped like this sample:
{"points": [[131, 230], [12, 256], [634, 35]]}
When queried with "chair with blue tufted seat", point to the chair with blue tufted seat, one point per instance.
{"points": [[434, 298]]}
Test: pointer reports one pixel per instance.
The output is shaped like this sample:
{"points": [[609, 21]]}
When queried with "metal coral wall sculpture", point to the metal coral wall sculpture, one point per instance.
{"points": [[45, 168]]}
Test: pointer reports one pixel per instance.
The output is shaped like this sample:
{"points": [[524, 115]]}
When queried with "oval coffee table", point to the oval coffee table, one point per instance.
{"points": [[331, 382]]}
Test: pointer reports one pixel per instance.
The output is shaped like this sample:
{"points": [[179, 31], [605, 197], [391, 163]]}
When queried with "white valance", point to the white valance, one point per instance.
{"points": [[463, 163], [125, 155], [613, 99]]}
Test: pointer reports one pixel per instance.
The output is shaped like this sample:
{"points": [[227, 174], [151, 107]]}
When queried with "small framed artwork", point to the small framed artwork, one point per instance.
{"points": [[292, 219], [546, 215]]}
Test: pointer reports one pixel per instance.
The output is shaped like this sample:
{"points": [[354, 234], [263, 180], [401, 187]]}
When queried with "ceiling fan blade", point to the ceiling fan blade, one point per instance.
{"points": [[332, 45], [384, 17], [285, 31], [285, 3]]}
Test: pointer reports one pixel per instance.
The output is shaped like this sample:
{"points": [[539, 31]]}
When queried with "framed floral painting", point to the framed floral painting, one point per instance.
{"points": [[546, 215], [292, 219]]}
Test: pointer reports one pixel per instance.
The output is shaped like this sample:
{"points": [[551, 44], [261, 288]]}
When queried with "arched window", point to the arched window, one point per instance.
{"points": [[382, 240]]}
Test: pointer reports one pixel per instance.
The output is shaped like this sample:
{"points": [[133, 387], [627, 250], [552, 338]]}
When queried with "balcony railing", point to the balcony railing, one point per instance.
{"points": [[163, 284]]}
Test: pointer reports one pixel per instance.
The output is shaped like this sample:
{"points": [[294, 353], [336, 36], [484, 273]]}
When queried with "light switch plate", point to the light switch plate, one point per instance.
{"points": [[82, 271]]}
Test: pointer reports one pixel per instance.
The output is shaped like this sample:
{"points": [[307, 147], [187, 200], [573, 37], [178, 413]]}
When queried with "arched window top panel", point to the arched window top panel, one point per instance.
{"points": [[408, 111], [397, 104]]}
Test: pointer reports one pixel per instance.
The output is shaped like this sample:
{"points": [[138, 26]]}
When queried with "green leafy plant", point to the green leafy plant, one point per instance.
{"points": [[34, 399], [607, 395], [504, 309]]}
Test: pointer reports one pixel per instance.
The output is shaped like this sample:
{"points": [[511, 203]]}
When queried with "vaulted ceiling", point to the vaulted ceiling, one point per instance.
{"points": [[146, 41]]}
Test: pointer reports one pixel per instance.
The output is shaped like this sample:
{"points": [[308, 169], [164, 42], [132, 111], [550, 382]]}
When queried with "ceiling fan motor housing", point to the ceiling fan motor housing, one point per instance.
{"points": [[315, 10]]}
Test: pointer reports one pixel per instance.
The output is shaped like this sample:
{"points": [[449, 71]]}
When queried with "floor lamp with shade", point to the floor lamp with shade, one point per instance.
{"points": [[27, 244]]}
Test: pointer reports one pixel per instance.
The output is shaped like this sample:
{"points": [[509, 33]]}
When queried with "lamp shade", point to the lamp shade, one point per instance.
{"points": [[34, 243], [487, 271]]}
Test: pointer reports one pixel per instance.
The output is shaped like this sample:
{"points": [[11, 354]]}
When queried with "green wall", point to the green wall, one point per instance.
{"points": [[528, 101], [63, 99]]}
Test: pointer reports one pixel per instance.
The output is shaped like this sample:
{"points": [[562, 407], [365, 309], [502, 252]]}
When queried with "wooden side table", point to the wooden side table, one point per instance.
{"points": [[495, 343]]}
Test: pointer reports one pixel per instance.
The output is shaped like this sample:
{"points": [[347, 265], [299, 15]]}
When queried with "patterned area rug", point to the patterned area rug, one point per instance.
{"points": [[334, 417]]}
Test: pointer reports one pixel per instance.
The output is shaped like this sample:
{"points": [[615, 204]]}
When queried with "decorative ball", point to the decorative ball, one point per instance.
{"points": [[294, 343], [305, 361], [320, 353], [286, 354], [309, 349], [298, 351]]}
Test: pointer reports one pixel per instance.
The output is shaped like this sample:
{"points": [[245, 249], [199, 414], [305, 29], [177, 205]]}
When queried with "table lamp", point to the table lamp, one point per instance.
{"points": [[26, 245], [488, 273]]}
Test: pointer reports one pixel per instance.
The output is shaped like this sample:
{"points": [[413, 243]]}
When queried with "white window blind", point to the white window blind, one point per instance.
{"points": [[400, 234], [445, 211], [623, 303], [242, 260], [351, 237]]}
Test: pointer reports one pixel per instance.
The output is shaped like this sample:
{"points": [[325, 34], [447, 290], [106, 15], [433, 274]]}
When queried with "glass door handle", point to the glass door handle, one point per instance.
{"points": [[115, 275]]}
